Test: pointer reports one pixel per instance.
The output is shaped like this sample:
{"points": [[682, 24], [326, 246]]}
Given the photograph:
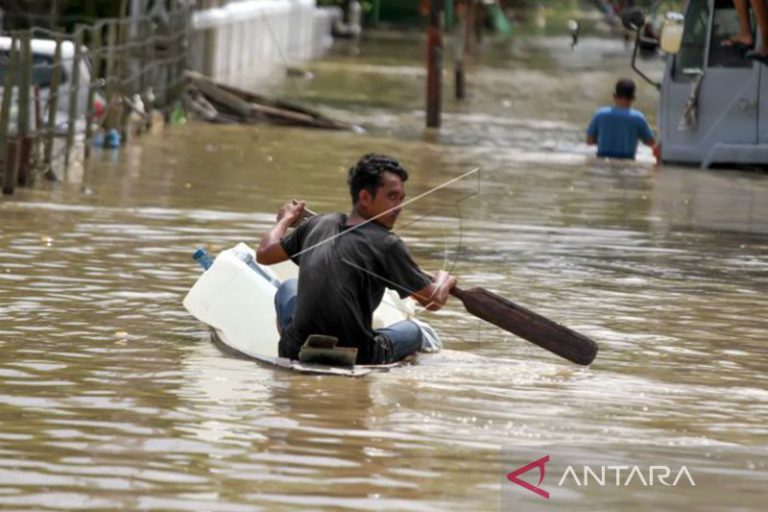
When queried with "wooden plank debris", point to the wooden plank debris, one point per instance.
{"points": [[220, 103]]}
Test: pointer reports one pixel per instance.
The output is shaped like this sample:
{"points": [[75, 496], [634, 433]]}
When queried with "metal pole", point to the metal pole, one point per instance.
{"points": [[434, 63]]}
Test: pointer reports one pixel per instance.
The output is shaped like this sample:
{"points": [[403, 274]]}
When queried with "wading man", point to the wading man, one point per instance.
{"points": [[617, 129], [345, 263]]}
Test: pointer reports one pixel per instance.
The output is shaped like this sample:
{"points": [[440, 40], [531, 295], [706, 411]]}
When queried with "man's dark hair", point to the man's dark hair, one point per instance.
{"points": [[366, 174], [625, 88]]}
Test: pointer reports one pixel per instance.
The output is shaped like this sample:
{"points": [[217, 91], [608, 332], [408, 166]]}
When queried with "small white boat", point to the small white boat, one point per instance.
{"points": [[235, 297]]}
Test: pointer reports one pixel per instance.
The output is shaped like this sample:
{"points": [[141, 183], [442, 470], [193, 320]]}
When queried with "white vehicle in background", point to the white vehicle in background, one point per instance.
{"points": [[43, 54], [713, 102]]}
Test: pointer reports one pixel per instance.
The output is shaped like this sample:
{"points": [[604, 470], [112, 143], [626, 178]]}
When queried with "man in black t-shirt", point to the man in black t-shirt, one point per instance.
{"points": [[345, 264]]}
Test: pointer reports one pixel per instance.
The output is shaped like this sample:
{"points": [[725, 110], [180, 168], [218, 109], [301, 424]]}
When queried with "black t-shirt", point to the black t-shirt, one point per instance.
{"points": [[342, 281]]}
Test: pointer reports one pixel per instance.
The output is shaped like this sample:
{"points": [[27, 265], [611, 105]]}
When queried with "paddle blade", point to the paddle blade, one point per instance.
{"points": [[525, 323]]}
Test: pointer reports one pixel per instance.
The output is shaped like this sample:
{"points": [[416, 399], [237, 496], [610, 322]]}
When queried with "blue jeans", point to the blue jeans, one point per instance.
{"points": [[405, 336], [285, 302]]}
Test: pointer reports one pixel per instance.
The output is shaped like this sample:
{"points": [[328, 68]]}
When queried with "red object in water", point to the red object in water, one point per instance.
{"points": [[98, 108]]}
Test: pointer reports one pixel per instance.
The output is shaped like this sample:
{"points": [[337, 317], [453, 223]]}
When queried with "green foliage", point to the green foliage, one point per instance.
{"points": [[366, 4], [21, 14]]}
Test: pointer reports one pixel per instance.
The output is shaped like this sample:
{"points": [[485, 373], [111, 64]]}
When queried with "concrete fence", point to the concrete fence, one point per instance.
{"points": [[246, 43]]}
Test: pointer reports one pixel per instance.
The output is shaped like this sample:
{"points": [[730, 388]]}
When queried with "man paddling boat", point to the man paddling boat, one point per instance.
{"points": [[345, 264]]}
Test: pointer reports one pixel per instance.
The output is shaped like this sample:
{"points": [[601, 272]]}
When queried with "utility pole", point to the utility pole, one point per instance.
{"points": [[460, 48], [434, 63], [471, 37]]}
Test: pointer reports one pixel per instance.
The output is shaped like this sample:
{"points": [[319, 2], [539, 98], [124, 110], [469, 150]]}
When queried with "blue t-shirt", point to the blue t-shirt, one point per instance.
{"points": [[617, 131]]}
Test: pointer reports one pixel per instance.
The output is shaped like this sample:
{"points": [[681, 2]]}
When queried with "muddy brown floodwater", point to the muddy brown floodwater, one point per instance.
{"points": [[112, 395]]}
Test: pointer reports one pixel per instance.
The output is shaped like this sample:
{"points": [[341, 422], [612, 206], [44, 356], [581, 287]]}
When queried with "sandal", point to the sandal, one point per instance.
{"points": [[736, 44], [759, 57]]}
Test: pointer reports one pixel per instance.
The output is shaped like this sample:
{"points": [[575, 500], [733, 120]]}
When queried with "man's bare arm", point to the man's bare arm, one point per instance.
{"points": [[435, 295], [270, 250]]}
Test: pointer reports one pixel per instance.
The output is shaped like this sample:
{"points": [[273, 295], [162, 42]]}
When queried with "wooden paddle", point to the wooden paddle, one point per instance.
{"points": [[528, 325], [522, 322]]}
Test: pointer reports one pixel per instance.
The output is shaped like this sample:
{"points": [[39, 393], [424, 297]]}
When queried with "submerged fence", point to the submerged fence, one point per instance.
{"points": [[61, 90]]}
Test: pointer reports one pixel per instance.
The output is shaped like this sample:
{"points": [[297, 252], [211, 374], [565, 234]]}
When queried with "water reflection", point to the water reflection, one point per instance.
{"points": [[725, 201]]}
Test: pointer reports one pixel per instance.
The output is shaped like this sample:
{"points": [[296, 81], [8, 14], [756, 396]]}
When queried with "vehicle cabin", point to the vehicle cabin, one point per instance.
{"points": [[713, 105]]}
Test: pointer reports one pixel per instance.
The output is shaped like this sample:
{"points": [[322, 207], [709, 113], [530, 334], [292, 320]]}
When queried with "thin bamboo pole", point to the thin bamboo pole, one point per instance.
{"points": [[95, 52], [150, 92], [54, 14], [74, 91], [9, 174], [183, 50], [174, 52], [53, 104], [25, 111], [124, 70], [143, 30], [25, 81], [109, 75]]}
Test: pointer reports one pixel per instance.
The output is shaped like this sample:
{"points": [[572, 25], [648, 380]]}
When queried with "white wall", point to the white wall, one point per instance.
{"points": [[247, 42]]}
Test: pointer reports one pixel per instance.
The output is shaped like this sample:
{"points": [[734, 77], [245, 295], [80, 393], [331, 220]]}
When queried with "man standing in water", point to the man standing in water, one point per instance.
{"points": [[345, 263], [617, 129]]}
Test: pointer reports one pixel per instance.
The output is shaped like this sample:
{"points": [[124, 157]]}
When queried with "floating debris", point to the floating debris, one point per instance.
{"points": [[219, 103]]}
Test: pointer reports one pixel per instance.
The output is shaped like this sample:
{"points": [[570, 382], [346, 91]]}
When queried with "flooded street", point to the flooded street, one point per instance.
{"points": [[112, 395]]}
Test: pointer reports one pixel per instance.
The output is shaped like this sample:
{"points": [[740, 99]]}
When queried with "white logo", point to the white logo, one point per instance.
{"points": [[625, 475]]}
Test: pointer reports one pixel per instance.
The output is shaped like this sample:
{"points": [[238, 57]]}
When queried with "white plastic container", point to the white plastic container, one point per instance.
{"points": [[239, 302], [672, 33]]}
